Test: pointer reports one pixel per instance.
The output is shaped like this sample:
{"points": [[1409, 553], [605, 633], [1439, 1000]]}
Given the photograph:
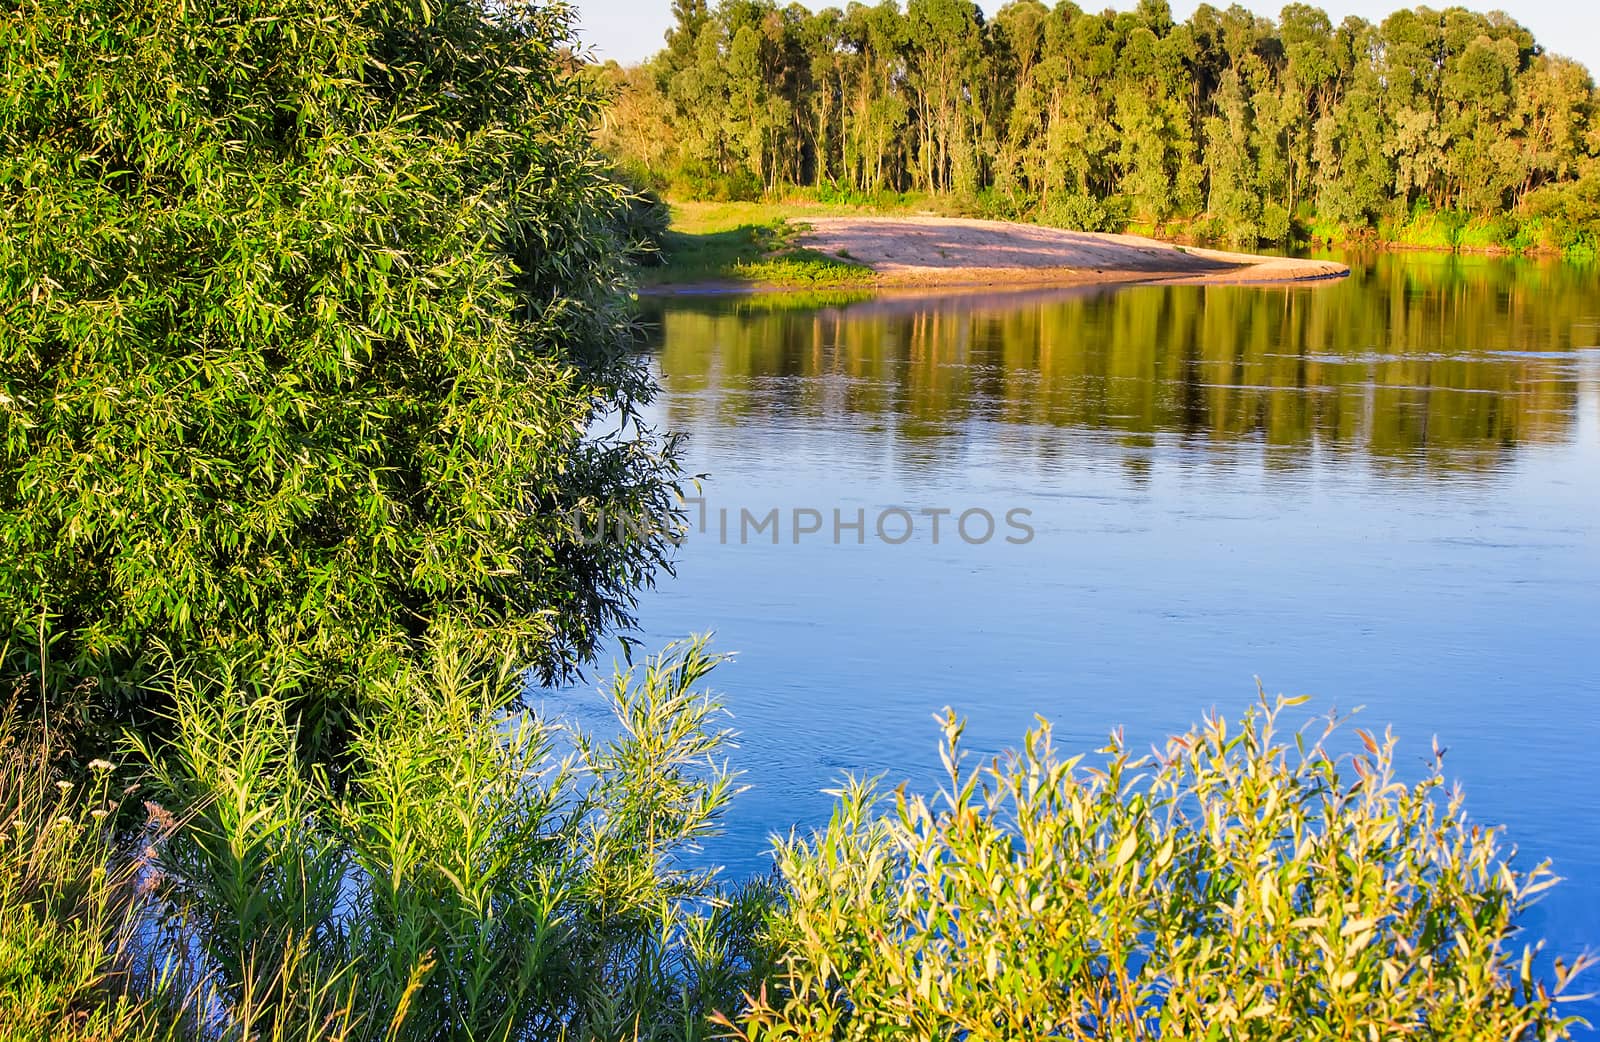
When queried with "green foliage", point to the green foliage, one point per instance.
{"points": [[1487, 233], [306, 314], [1570, 213], [70, 899], [82, 899], [1426, 229], [993, 204], [847, 195], [644, 227], [1084, 213], [485, 874], [1229, 118], [1237, 883], [492, 874]]}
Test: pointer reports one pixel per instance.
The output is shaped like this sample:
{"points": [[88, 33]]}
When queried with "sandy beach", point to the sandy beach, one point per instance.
{"points": [[935, 251]]}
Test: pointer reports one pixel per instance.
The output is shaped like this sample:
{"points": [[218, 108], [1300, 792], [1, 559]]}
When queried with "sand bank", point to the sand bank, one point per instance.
{"points": [[936, 251]]}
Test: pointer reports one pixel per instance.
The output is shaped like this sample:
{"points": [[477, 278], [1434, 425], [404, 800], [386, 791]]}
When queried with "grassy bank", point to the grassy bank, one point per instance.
{"points": [[750, 245], [1451, 232]]}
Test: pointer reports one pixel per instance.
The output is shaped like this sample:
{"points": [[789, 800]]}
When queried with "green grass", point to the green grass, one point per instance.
{"points": [[70, 900], [804, 268], [754, 245]]}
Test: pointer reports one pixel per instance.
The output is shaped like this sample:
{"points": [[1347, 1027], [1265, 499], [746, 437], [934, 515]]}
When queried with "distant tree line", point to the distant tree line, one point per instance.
{"points": [[1095, 119]]}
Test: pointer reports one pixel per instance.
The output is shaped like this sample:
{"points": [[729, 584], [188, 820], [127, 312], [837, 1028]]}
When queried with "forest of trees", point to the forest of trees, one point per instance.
{"points": [[1239, 126]]}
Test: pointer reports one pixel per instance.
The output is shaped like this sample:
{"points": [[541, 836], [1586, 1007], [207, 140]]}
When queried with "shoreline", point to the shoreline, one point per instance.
{"points": [[892, 252], [981, 279]]}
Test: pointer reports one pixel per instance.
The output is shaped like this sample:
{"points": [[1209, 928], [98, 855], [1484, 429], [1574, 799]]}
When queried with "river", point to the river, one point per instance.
{"points": [[1382, 492]]}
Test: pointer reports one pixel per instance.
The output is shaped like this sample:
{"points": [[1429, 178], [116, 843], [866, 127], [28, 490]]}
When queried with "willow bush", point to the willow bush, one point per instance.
{"points": [[308, 309], [487, 874], [1236, 884]]}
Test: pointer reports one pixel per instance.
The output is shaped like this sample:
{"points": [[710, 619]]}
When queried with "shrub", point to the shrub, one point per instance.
{"points": [[710, 186], [1235, 884], [1425, 228], [1492, 234], [997, 204], [1208, 228], [1323, 230], [645, 222], [1570, 214], [835, 193], [306, 310], [1085, 213], [1275, 223], [486, 874]]}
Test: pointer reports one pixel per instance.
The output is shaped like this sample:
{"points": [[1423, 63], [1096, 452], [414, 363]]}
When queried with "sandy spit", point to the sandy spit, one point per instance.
{"points": [[937, 251]]}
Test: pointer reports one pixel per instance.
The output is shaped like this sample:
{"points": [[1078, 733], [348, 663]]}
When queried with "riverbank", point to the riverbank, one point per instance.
{"points": [[738, 247], [729, 248]]}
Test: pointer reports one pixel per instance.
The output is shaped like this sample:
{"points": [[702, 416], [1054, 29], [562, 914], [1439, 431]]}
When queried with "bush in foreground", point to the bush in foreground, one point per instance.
{"points": [[1236, 884], [486, 874], [490, 875], [306, 312]]}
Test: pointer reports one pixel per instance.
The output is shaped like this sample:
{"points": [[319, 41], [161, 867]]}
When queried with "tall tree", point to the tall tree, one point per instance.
{"points": [[1078, 116]]}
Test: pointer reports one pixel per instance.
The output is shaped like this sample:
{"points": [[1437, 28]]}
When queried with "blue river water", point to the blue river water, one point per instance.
{"points": [[1382, 492]]}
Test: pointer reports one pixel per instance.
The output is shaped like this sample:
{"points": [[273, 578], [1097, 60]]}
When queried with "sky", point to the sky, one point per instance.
{"points": [[631, 30]]}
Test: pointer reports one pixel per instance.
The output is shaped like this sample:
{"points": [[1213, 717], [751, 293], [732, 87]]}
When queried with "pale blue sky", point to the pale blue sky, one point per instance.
{"points": [[630, 30]]}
